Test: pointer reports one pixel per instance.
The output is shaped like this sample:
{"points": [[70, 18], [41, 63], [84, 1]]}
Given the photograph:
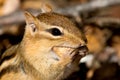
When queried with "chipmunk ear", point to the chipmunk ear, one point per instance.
{"points": [[30, 21], [46, 8]]}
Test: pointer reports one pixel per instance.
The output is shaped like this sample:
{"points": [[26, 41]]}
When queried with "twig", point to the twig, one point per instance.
{"points": [[104, 21], [86, 7], [18, 17]]}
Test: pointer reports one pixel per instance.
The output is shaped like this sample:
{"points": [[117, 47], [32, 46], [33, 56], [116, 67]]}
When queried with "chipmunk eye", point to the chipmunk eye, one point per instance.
{"points": [[55, 32]]}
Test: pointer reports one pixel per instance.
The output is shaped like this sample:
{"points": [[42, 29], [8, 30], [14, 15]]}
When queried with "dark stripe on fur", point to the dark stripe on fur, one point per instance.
{"points": [[8, 69], [8, 57]]}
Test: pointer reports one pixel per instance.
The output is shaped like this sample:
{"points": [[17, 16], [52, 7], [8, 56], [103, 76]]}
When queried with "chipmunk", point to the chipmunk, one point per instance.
{"points": [[51, 49]]}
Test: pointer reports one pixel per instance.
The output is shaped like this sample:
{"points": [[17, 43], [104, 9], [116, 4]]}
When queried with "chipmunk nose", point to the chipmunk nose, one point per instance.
{"points": [[83, 50]]}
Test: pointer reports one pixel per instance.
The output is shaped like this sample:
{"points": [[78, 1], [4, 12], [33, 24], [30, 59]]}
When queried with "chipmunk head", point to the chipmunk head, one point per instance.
{"points": [[49, 36]]}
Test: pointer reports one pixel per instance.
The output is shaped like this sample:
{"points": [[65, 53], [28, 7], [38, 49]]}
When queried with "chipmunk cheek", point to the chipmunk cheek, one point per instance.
{"points": [[61, 51]]}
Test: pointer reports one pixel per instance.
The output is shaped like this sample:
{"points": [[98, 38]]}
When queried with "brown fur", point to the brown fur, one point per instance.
{"points": [[41, 55]]}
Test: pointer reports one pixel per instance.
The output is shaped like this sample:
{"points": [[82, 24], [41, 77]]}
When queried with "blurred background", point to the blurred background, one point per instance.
{"points": [[98, 19]]}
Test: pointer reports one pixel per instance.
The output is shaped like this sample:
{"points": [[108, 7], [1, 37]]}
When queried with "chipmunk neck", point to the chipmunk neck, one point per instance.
{"points": [[25, 67]]}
